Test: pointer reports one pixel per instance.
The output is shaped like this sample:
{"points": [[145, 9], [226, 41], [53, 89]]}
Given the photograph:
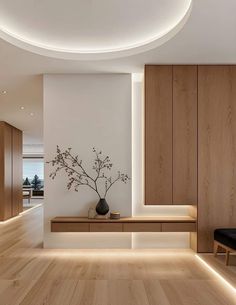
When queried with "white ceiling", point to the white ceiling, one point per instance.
{"points": [[208, 37], [91, 29]]}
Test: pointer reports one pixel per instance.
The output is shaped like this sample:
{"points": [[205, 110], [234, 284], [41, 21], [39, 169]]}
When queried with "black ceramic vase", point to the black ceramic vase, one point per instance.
{"points": [[102, 207]]}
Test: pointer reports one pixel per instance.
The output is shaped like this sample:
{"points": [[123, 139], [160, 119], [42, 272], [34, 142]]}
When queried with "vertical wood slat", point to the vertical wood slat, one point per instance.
{"points": [[217, 152], [10, 171], [6, 171], [2, 182], [158, 135], [185, 135], [17, 172]]}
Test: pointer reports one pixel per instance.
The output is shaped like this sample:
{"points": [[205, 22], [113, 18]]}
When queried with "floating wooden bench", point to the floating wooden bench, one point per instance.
{"points": [[126, 224]]}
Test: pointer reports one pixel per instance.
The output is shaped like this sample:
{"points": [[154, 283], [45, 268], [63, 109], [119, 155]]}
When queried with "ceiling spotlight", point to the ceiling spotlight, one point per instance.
{"points": [[22, 107], [31, 113], [4, 92]]}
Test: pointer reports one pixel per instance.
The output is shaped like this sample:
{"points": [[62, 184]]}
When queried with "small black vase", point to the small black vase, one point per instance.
{"points": [[102, 207]]}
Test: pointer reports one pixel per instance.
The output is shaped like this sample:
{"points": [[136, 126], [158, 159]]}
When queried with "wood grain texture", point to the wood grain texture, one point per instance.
{"points": [[158, 135], [17, 171], [218, 263], [142, 227], [178, 227], [138, 219], [131, 224], [193, 235], [106, 227], [2, 180], [6, 170], [11, 200], [185, 135], [216, 152], [69, 227], [30, 275]]}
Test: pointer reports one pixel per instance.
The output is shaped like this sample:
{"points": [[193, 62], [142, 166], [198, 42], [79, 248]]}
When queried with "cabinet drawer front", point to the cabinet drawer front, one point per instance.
{"points": [[178, 227], [142, 227], [105, 227], [69, 227]]}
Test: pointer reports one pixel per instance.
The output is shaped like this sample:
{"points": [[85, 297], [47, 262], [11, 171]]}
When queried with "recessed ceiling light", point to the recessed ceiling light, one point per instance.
{"points": [[22, 107], [4, 92], [31, 113]]}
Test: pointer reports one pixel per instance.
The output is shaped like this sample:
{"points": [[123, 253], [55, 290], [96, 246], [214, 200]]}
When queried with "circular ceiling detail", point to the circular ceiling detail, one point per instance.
{"points": [[91, 29]]}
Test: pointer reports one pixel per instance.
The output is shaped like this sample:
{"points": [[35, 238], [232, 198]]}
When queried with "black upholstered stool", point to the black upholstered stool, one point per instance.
{"points": [[225, 239]]}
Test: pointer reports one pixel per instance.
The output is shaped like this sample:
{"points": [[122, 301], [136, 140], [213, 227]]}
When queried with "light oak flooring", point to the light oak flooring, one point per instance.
{"points": [[30, 275], [218, 264]]}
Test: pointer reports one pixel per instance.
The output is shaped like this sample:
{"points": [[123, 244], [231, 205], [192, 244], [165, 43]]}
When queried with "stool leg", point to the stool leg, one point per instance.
{"points": [[215, 248], [227, 258]]}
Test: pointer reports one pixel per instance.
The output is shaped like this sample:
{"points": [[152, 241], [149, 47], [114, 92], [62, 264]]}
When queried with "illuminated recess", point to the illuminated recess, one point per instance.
{"points": [[91, 30]]}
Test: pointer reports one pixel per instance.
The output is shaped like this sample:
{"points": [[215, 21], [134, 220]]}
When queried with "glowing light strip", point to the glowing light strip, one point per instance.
{"points": [[70, 53], [10, 220], [20, 215], [30, 209], [219, 276], [90, 51], [106, 50]]}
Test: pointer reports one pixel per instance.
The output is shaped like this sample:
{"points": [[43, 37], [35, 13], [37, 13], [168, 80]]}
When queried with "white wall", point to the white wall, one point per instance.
{"points": [[82, 112]]}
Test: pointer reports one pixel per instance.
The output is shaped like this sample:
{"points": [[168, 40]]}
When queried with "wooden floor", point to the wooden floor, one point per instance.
{"points": [[30, 275], [218, 264]]}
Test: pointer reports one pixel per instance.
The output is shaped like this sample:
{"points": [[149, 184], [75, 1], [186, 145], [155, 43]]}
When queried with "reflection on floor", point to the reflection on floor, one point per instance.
{"points": [[31, 275], [218, 264], [32, 204]]}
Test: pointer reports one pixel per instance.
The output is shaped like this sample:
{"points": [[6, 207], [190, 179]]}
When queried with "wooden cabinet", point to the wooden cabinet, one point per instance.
{"points": [[69, 227], [158, 135], [142, 227], [216, 152], [126, 224], [185, 135], [179, 227], [170, 135], [105, 227], [10, 171], [202, 115]]}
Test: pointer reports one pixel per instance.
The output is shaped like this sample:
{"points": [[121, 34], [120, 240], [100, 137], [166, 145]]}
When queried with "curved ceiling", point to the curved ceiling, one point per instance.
{"points": [[89, 29]]}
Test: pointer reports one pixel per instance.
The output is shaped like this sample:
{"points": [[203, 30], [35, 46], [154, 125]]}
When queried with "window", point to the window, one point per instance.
{"points": [[32, 167]]}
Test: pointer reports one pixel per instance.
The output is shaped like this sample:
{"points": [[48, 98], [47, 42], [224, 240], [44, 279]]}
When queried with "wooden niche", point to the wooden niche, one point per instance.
{"points": [[216, 152]]}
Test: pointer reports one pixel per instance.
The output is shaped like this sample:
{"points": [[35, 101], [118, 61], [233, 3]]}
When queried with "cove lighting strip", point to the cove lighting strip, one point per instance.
{"points": [[21, 214], [31, 208], [220, 277]]}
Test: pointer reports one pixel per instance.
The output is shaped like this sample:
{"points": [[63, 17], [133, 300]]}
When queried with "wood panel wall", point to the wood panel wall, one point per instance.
{"points": [[158, 135], [216, 152], [10, 171], [185, 135], [2, 185], [17, 172], [6, 171], [198, 114], [170, 135]]}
